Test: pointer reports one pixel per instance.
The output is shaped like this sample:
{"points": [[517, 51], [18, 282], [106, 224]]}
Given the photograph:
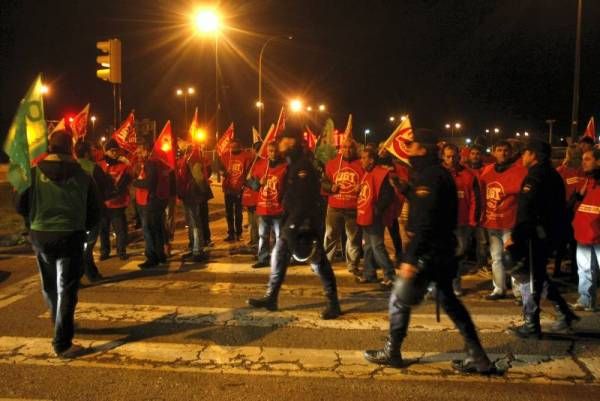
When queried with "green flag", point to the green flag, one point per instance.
{"points": [[27, 137], [325, 149]]}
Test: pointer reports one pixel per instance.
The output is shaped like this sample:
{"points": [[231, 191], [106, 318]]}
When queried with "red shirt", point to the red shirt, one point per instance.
{"points": [[237, 168], [573, 178], [368, 194], [586, 224], [499, 192], [465, 182], [270, 194], [346, 175], [117, 172]]}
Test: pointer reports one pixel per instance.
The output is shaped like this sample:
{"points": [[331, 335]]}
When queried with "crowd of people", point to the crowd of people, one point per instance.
{"points": [[509, 211]]}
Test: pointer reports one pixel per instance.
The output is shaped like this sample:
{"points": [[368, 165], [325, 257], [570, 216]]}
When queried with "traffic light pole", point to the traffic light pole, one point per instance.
{"points": [[115, 106]]}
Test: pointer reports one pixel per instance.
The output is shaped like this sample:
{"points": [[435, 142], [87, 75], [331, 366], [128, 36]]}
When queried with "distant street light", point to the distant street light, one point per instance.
{"points": [[402, 118], [296, 105], [259, 104], [188, 92], [260, 58], [45, 89], [93, 120], [526, 133], [309, 108], [367, 132], [322, 108], [453, 126], [496, 130], [392, 119], [518, 134]]}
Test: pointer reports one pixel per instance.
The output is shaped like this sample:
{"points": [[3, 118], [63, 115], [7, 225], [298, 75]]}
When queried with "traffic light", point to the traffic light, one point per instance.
{"points": [[110, 60]]}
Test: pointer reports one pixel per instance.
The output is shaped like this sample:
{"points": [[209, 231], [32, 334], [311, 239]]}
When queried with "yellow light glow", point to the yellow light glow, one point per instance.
{"points": [[447, 126], [457, 125], [309, 108], [207, 21], [322, 107], [200, 135], [93, 118], [259, 104], [392, 119], [296, 105], [191, 91], [45, 89], [179, 92]]}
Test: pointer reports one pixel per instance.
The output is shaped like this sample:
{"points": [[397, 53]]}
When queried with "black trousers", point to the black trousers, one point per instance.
{"points": [[116, 219], [153, 227], [204, 218], [445, 271], [233, 208]]}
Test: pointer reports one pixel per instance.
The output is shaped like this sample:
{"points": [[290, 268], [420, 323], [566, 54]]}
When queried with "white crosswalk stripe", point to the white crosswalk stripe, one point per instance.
{"points": [[290, 362], [249, 317]]}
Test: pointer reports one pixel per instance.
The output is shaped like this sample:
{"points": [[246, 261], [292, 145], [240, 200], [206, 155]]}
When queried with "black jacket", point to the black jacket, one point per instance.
{"points": [[432, 213], [541, 207]]}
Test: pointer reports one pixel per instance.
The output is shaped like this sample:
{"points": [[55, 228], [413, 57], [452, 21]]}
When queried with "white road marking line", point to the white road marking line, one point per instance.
{"points": [[244, 317], [290, 362], [19, 290]]}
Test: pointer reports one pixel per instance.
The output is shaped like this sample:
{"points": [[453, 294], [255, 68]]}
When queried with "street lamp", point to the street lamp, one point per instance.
{"points": [[185, 93], [453, 126], [496, 130], [93, 120], [208, 22], [296, 105], [45, 89], [526, 133], [322, 108], [392, 119], [260, 57], [367, 132], [518, 134], [309, 109]]}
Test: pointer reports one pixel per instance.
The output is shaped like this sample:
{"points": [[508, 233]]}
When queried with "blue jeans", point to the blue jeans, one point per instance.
{"points": [[497, 240], [588, 270], [194, 219], [336, 221], [265, 224], [60, 282], [375, 252], [463, 234]]}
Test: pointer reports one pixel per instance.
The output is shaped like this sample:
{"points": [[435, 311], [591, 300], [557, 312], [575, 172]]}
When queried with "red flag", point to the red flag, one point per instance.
{"points": [[125, 135], [310, 138], [396, 143], [280, 127], [270, 137], [165, 147], [224, 141], [590, 130], [79, 124]]}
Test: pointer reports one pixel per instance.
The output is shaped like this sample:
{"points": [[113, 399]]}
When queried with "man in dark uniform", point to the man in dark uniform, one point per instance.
{"points": [[430, 257], [301, 225], [541, 223]]}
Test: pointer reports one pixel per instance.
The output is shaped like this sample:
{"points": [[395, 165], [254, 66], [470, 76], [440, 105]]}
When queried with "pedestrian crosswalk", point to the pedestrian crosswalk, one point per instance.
{"points": [[192, 318]]}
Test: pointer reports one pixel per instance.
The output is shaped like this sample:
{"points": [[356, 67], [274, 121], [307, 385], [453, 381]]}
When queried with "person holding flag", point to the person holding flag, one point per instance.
{"points": [[267, 178], [341, 183], [249, 201], [116, 167], [233, 165]]}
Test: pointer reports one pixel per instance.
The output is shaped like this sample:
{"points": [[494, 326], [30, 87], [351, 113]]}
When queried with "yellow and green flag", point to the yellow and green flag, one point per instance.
{"points": [[27, 137]]}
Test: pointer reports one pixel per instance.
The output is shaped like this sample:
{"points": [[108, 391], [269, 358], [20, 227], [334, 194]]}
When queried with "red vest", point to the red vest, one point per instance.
{"points": [[464, 181], [141, 194], [368, 194], [586, 224], [249, 197], [270, 194], [237, 168], [401, 171], [499, 193], [346, 175], [117, 173], [573, 179]]}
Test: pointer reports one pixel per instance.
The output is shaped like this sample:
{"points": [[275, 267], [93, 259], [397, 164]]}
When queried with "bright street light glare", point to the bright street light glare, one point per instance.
{"points": [[457, 125], [103, 139], [309, 108], [296, 105], [392, 119], [45, 89], [487, 131], [191, 91], [402, 118], [259, 104], [447, 126], [322, 107], [207, 21], [496, 130], [93, 118], [179, 92], [526, 133], [367, 131], [468, 140]]}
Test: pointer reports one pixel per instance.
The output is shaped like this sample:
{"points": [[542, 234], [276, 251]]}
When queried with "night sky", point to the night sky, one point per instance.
{"points": [[484, 63]]}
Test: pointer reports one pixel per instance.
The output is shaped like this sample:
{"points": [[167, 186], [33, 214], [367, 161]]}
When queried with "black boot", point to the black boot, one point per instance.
{"points": [[389, 355], [332, 310], [564, 319], [269, 302], [476, 361], [530, 329]]}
